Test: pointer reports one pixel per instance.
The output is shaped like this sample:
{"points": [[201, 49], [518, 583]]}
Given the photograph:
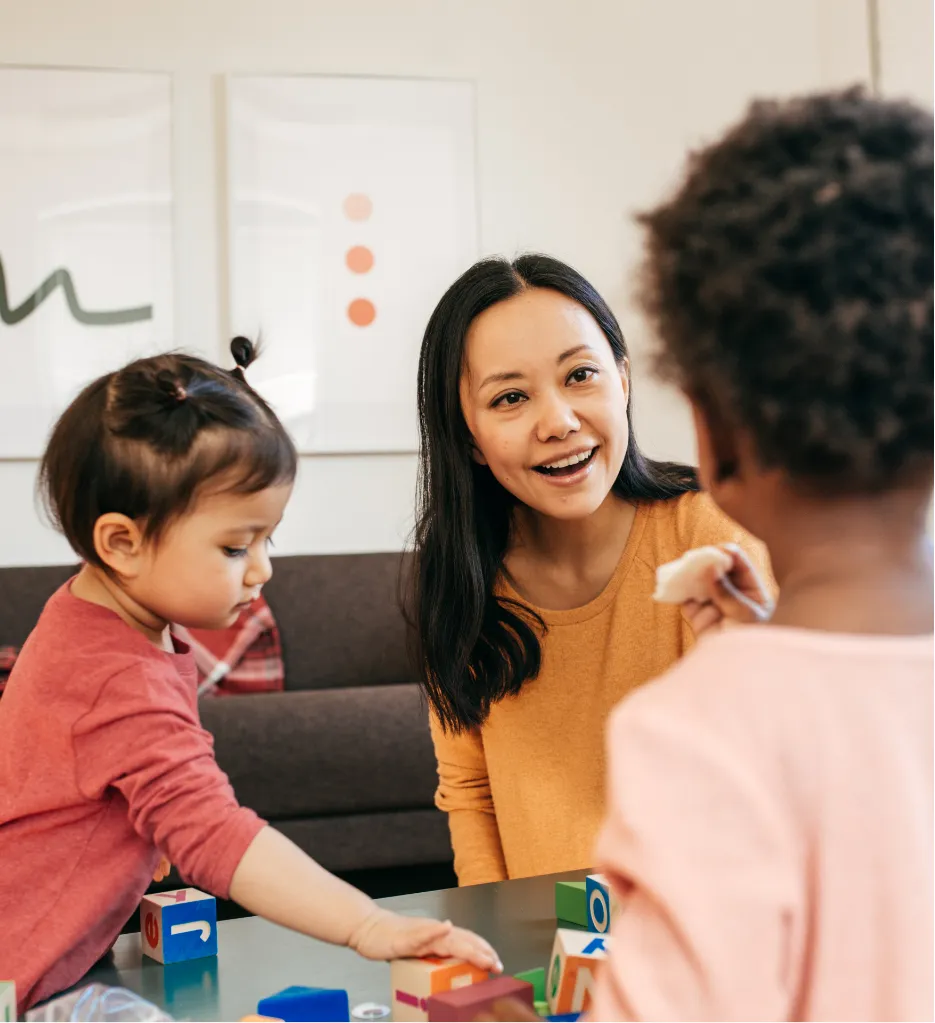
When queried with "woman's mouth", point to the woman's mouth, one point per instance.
{"points": [[566, 468]]}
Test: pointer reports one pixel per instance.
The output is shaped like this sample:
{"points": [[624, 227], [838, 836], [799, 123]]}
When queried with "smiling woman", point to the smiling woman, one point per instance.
{"points": [[541, 525]]}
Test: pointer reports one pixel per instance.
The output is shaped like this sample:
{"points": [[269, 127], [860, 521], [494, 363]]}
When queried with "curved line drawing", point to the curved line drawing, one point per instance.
{"points": [[61, 278]]}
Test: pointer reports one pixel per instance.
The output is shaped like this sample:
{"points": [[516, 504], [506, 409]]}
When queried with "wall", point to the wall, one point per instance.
{"points": [[585, 111], [904, 30]]}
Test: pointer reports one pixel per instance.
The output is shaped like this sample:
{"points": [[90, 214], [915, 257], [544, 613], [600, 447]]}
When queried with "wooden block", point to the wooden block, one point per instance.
{"points": [[414, 981], [7, 1000], [466, 1003], [298, 1004], [601, 904], [576, 956], [571, 903], [535, 977], [179, 925]]}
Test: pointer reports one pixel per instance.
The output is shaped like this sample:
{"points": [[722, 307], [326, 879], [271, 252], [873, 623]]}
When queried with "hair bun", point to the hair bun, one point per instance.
{"points": [[170, 386], [244, 352]]}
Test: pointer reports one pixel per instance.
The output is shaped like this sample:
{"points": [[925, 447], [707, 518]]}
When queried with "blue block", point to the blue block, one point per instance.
{"points": [[598, 905], [571, 1017], [179, 925], [306, 1005]]}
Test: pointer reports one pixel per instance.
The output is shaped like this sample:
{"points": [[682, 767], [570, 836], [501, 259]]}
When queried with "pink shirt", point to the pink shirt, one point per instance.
{"points": [[769, 833], [103, 765]]}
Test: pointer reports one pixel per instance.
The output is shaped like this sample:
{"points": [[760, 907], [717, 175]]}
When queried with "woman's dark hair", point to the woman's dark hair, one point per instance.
{"points": [[474, 647], [790, 280], [146, 440]]}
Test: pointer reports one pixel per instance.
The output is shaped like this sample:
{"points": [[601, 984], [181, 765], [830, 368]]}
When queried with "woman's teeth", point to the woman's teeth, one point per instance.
{"points": [[566, 463]]}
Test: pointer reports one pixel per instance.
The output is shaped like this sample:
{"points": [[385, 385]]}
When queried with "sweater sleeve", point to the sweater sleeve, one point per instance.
{"points": [[703, 873], [142, 739], [464, 794]]}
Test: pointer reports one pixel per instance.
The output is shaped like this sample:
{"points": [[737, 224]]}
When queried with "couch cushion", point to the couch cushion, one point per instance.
{"points": [[339, 619], [332, 752], [23, 594]]}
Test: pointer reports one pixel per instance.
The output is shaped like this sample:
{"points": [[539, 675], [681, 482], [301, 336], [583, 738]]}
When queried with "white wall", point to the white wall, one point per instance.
{"points": [[904, 36], [585, 111]]}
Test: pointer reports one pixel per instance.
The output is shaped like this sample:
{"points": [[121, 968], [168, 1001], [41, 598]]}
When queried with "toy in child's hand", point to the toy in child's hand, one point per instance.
{"points": [[414, 981], [179, 925], [712, 584]]}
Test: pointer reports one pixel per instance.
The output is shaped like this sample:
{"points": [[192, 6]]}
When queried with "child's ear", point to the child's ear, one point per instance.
{"points": [[118, 541]]}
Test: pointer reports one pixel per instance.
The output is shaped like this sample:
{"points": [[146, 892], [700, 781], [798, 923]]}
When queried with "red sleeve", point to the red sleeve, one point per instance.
{"points": [[142, 737]]}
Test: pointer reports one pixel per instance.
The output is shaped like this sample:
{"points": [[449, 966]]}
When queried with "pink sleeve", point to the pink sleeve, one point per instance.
{"points": [[705, 876], [142, 739]]}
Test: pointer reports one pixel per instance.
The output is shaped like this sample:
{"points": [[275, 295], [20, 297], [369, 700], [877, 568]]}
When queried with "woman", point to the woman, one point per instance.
{"points": [[540, 528]]}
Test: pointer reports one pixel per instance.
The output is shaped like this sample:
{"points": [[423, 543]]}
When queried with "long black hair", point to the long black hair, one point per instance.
{"points": [[472, 646]]}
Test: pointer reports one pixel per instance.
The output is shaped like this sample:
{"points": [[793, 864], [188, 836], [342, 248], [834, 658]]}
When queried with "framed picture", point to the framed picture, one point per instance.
{"points": [[352, 208], [85, 236]]}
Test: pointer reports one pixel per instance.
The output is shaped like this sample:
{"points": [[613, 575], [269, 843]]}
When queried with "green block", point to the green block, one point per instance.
{"points": [[542, 1008], [535, 977], [571, 902]]}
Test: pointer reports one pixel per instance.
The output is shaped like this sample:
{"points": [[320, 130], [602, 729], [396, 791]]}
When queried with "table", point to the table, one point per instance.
{"points": [[256, 958]]}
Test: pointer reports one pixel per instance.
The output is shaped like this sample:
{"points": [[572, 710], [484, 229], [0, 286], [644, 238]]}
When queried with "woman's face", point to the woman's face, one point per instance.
{"points": [[545, 402]]}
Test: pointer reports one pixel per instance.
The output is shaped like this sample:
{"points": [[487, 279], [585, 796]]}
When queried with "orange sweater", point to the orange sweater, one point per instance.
{"points": [[524, 793]]}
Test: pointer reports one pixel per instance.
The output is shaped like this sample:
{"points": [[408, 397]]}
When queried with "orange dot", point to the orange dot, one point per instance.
{"points": [[359, 259], [361, 312], [358, 207]]}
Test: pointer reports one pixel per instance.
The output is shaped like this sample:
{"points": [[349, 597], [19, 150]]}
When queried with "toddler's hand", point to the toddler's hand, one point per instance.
{"points": [[739, 596], [386, 935], [162, 871]]}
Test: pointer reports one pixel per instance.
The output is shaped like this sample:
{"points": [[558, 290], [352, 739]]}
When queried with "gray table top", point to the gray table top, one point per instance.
{"points": [[256, 958]]}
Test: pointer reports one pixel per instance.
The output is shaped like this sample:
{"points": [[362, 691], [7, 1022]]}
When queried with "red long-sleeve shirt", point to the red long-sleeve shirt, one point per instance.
{"points": [[103, 766]]}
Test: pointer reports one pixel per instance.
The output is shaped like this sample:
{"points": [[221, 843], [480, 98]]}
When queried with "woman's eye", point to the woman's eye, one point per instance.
{"points": [[510, 398], [235, 552], [582, 375]]}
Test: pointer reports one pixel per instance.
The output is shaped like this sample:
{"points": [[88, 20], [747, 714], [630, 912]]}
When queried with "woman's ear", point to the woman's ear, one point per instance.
{"points": [[118, 542], [477, 454], [624, 367]]}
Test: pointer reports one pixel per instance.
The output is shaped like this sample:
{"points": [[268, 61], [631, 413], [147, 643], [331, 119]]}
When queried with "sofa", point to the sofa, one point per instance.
{"points": [[341, 761]]}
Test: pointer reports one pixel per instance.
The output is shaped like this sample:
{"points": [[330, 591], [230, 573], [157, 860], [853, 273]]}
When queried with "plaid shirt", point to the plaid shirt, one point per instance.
{"points": [[246, 658]]}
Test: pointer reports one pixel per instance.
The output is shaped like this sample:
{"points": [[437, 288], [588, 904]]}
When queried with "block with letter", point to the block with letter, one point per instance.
{"points": [[466, 1003], [7, 1000], [179, 925], [308, 1004], [601, 904], [576, 957], [414, 981], [571, 902]]}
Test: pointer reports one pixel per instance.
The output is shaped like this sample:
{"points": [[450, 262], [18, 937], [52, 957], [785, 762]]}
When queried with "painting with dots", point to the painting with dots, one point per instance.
{"points": [[351, 209]]}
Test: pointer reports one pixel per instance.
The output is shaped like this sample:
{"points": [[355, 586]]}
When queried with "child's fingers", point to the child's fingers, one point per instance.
{"points": [[701, 617], [741, 595], [422, 937], [461, 944]]}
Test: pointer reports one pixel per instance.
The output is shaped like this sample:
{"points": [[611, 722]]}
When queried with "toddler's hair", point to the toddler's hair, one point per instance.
{"points": [[146, 440], [790, 281]]}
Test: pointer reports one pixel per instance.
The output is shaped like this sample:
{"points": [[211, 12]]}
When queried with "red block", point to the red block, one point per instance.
{"points": [[465, 1003]]}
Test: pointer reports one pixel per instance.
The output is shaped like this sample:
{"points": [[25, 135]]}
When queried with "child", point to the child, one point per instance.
{"points": [[168, 478], [769, 833]]}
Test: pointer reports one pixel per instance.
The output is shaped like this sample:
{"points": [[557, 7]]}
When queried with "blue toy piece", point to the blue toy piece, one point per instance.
{"points": [[599, 905], [306, 1005], [179, 925], [571, 1017]]}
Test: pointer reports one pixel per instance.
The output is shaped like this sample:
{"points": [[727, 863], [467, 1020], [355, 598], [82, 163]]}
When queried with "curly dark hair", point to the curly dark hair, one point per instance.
{"points": [[790, 283]]}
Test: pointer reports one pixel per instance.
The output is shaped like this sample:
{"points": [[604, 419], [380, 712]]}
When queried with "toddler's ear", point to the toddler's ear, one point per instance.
{"points": [[118, 541]]}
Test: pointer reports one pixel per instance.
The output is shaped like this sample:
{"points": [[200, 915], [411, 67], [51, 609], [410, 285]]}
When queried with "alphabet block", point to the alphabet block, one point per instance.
{"points": [[7, 1000], [576, 956], [571, 903], [466, 1003], [414, 981], [308, 1004], [179, 925], [601, 904]]}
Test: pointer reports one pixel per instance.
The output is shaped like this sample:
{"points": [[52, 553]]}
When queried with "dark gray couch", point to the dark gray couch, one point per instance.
{"points": [[342, 761]]}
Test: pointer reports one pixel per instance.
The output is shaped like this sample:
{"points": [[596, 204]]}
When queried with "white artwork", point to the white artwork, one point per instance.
{"points": [[85, 237], [352, 209]]}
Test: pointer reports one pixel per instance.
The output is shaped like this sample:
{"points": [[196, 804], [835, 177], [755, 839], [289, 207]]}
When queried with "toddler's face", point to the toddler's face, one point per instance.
{"points": [[212, 562], [546, 403]]}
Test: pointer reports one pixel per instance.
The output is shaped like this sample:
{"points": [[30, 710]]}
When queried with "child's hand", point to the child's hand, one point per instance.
{"points": [[162, 871], [739, 596], [385, 935]]}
